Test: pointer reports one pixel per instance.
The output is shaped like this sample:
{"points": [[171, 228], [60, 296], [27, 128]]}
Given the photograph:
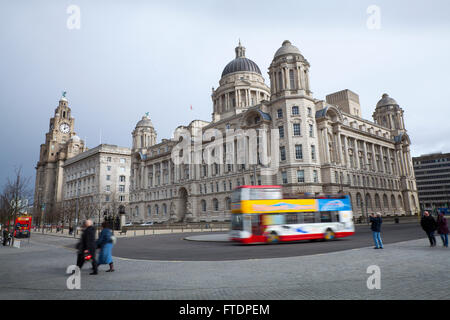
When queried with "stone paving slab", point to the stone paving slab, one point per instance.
{"points": [[409, 270]]}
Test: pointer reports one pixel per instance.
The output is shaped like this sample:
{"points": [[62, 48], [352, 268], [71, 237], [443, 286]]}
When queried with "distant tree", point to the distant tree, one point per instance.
{"points": [[15, 198]]}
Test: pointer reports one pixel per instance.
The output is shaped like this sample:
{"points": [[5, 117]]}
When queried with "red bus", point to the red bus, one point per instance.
{"points": [[23, 227]]}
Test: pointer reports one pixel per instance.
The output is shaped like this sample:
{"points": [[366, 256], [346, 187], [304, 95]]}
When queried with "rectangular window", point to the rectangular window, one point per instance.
{"points": [[280, 113], [108, 188], [108, 168], [284, 177], [311, 132], [308, 217], [107, 198], [309, 112], [283, 153], [300, 176], [281, 131], [108, 177], [296, 129], [315, 177], [291, 79], [295, 110], [291, 218], [298, 152], [122, 178], [313, 152], [108, 159], [325, 216], [122, 160], [121, 188]]}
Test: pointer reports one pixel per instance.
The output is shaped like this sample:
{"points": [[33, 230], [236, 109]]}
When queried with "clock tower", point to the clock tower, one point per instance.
{"points": [[61, 143]]}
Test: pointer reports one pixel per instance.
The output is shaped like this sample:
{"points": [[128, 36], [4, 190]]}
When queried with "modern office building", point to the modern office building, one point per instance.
{"points": [[433, 180]]}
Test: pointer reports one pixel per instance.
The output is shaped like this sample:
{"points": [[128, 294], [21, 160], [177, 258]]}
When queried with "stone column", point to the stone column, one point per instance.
{"points": [[356, 156], [339, 147]]}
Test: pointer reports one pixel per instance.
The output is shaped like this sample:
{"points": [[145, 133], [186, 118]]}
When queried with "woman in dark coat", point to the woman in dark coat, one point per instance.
{"points": [[105, 243], [429, 226], [442, 229]]}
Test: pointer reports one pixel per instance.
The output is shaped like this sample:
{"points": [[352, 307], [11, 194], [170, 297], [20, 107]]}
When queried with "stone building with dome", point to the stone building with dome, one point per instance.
{"points": [[324, 146]]}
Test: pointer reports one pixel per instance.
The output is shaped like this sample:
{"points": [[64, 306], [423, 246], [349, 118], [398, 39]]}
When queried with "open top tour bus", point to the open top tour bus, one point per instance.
{"points": [[259, 214]]}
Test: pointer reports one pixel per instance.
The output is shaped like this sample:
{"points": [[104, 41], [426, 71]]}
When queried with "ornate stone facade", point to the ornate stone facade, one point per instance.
{"points": [[61, 143], [324, 147]]}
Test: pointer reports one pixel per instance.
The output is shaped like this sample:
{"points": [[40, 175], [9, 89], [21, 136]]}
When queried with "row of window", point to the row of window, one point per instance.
{"points": [[298, 152], [297, 130], [294, 111]]}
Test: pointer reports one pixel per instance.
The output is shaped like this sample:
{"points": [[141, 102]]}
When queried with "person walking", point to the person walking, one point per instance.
{"points": [[429, 226], [442, 229], [5, 236], [87, 246], [105, 243], [376, 222]]}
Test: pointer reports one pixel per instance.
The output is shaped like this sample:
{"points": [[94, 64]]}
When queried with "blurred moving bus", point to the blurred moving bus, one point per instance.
{"points": [[259, 214], [23, 226]]}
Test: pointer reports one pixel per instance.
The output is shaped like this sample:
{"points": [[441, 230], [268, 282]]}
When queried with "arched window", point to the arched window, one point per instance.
{"points": [[358, 200], [149, 211], [385, 201], [400, 202], [393, 203], [156, 209], [377, 201], [368, 201], [136, 211], [228, 203], [216, 204], [164, 207], [203, 204]]}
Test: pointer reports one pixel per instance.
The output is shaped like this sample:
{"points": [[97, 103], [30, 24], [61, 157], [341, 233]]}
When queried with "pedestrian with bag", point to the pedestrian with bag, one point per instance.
{"points": [[376, 222], [6, 237], [429, 225], [105, 243], [442, 229], [86, 247]]}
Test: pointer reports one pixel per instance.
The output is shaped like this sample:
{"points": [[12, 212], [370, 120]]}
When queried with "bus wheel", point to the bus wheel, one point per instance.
{"points": [[329, 235], [273, 237]]}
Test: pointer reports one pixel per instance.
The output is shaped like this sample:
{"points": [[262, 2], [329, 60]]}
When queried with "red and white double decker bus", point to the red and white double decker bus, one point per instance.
{"points": [[260, 214]]}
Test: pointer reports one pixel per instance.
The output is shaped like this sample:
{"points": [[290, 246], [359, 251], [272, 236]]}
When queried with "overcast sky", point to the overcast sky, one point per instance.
{"points": [[161, 57]]}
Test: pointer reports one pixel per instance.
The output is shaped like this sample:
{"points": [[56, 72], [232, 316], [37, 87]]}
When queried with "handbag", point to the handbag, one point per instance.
{"points": [[87, 255]]}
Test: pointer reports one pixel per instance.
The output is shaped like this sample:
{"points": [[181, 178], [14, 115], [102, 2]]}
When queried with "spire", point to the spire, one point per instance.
{"points": [[240, 50]]}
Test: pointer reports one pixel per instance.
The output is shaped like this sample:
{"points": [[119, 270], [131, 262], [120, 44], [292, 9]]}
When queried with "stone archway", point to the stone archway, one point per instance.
{"points": [[184, 212]]}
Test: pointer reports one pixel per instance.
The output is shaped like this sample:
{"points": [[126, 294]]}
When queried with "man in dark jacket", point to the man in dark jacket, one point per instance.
{"points": [[88, 245], [5, 236], [376, 222], [429, 226]]}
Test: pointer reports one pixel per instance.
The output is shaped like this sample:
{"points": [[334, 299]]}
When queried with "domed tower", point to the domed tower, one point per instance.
{"points": [[389, 114], [289, 72], [144, 135], [241, 86]]}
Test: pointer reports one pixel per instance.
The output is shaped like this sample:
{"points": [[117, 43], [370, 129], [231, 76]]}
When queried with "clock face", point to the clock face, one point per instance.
{"points": [[64, 128]]}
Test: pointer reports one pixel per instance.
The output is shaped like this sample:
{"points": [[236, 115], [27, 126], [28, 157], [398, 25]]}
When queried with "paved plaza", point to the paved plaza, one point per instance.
{"points": [[409, 270]]}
